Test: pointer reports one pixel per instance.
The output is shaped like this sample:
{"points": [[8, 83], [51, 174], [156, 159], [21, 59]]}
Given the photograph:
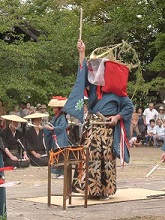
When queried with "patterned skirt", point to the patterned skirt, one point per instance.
{"points": [[102, 163]]}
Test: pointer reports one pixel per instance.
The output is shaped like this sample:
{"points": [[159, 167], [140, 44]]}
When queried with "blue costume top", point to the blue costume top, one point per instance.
{"points": [[60, 124]]}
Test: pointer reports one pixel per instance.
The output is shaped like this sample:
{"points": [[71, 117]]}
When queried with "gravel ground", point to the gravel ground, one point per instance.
{"points": [[34, 184]]}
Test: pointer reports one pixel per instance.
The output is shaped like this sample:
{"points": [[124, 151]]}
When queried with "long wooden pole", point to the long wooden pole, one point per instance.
{"points": [[154, 168], [81, 18]]}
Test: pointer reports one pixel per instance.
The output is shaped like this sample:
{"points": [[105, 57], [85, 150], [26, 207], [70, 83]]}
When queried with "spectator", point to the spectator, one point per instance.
{"points": [[150, 113], [16, 111], [26, 110], [38, 108], [2, 112], [45, 120], [160, 133], [32, 109], [151, 131], [35, 143], [135, 141], [141, 123], [161, 113], [22, 107], [14, 143], [55, 133], [134, 124]]}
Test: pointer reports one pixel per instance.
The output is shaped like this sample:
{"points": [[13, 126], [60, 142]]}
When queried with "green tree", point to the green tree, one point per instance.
{"points": [[48, 67]]}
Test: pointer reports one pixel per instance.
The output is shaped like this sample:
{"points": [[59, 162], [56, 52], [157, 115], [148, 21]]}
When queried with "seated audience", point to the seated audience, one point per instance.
{"points": [[35, 143], [160, 133], [135, 141], [13, 140], [161, 113], [151, 131]]}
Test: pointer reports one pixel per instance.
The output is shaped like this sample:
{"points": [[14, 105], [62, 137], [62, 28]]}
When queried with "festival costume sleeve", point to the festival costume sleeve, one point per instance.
{"points": [[61, 126], [126, 107], [75, 102]]}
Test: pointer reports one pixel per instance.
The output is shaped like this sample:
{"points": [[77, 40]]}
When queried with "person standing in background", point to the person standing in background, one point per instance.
{"points": [[141, 123], [55, 132], [134, 124], [161, 113], [150, 113]]}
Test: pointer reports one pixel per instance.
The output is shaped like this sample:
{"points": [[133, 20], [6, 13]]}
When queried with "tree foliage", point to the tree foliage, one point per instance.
{"points": [[48, 67]]}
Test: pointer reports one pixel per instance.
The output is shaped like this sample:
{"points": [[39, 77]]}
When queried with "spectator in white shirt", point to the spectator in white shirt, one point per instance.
{"points": [[151, 131], [150, 113], [160, 133]]}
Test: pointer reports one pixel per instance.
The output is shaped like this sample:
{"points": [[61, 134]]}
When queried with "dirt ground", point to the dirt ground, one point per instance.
{"points": [[34, 184]]}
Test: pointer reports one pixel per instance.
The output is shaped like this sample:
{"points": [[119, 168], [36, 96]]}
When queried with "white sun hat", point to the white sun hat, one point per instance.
{"points": [[36, 115], [14, 118]]}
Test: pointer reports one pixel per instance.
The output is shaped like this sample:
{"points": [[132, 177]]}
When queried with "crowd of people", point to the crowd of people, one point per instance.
{"points": [[148, 126]]}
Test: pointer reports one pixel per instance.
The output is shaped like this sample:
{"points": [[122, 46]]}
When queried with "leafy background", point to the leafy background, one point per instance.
{"points": [[34, 71]]}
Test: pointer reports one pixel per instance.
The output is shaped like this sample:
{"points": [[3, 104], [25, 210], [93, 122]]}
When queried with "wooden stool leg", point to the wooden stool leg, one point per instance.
{"points": [[70, 183], [49, 184], [86, 178], [65, 180]]}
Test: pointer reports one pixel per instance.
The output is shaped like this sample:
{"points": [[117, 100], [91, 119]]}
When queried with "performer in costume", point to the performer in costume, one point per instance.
{"points": [[103, 140], [35, 143], [14, 153], [55, 132]]}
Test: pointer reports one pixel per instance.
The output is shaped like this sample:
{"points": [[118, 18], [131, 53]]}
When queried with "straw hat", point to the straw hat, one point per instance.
{"points": [[161, 108], [36, 115], [57, 101], [14, 118]]}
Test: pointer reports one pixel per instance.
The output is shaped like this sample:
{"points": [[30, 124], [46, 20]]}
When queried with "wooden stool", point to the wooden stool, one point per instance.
{"points": [[70, 157]]}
